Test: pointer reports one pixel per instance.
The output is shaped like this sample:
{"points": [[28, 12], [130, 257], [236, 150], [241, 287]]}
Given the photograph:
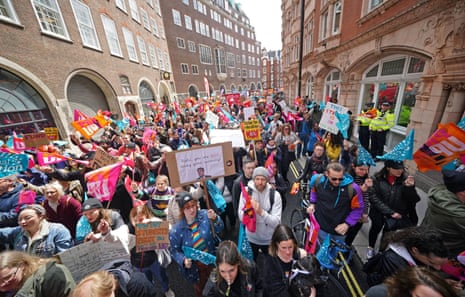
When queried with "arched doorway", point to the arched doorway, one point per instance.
{"points": [[22, 108], [85, 95], [147, 97], [193, 92]]}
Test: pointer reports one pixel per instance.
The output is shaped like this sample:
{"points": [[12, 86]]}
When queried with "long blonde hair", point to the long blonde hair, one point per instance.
{"points": [[98, 284], [30, 264]]}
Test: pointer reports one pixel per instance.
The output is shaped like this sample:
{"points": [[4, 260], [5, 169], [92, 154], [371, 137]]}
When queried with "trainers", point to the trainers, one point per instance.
{"points": [[169, 293], [370, 252]]}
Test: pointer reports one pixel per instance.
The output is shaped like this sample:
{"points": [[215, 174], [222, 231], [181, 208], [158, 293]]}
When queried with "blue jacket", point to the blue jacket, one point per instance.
{"points": [[8, 205], [55, 238], [181, 235]]}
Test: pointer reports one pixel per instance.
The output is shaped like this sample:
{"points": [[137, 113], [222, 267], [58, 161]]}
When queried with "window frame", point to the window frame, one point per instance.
{"points": [[90, 26], [60, 19], [111, 34], [11, 17], [130, 45]]}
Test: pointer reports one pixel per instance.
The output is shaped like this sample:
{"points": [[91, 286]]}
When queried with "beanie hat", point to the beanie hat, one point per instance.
{"points": [[182, 198], [454, 180], [91, 203], [261, 171], [394, 164]]}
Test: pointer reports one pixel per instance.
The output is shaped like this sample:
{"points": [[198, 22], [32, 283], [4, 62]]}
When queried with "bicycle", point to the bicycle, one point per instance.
{"points": [[299, 218]]}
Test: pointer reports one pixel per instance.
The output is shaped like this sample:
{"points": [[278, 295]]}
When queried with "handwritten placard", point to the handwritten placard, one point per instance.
{"points": [[249, 112], [151, 236], [200, 163], [252, 130], [102, 159], [52, 133], [328, 119], [35, 139], [89, 257]]}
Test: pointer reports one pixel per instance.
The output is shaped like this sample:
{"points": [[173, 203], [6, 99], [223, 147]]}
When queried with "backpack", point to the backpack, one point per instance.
{"points": [[272, 191], [350, 187]]}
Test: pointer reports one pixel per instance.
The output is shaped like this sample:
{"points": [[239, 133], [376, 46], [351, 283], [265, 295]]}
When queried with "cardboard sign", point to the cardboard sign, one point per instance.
{"points": [[52, 133], [102, 159], [252, 130], [224, 135], [248, 112], [35, 139], [152, 235], [328, 119], [197, 164]]}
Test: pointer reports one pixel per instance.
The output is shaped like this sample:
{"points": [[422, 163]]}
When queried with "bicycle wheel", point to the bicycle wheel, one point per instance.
{"points": [[298, 226], [331, 288]]}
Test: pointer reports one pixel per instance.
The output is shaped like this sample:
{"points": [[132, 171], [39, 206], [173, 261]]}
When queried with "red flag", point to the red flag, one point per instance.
{"points": [[248, 219], [269, 161]]}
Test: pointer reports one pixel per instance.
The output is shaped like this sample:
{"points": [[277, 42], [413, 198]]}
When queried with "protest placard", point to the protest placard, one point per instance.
{"points": [[152, 235], [52, 133], [252, 130], [329, 120], [248, 112], [89, 257], [12, 163], [212, 119], [32, 140], [200, 163], [102, 159], [225, 135]]}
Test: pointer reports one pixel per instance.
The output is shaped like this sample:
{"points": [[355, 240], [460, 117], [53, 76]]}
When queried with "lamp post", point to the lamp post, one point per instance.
{"points": [[301, 45]]}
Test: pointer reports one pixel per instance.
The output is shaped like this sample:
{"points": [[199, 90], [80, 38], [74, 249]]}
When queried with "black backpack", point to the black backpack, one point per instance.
{"points": [[272, 193]]}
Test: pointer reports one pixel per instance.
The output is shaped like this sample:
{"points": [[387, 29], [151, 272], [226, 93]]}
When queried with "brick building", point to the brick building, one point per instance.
{"points": [[271, 70], [212, 40], [57, 56], [409, 52]]}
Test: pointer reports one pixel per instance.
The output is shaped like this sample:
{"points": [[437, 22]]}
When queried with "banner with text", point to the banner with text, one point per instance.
{"points": [[101, 183], [329, 120]]}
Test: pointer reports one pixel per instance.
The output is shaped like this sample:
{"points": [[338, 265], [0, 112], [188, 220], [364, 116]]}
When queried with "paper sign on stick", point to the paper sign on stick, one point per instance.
{"points": [[152, 235]]}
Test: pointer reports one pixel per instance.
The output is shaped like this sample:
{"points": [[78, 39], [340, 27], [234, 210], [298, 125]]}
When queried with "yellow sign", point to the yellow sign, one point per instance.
{"points": [[252, 130], [52, 133]]}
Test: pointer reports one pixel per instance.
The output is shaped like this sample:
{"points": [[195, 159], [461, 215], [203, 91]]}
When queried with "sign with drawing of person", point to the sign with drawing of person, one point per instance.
{"points": [[200, 163]]}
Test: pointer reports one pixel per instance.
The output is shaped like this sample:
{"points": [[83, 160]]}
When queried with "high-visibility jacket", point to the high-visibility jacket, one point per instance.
{"points": [[383, 121], [366, 116]]}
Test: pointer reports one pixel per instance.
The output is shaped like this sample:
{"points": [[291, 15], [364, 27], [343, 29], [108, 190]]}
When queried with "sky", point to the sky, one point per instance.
{"points": [[265, 17]]}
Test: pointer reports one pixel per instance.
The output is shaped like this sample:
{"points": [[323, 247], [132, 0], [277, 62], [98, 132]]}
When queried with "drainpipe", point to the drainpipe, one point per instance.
{"points": [[301, 45]]}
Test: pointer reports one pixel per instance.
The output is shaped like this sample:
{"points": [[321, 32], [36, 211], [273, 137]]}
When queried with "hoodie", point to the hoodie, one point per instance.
{"points": [[8, 205], [270, 218], [446, 213], [333, 206]]}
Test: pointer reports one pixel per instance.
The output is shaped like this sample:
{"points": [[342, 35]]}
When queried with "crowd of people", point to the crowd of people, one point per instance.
{"points": [[47, 210]]}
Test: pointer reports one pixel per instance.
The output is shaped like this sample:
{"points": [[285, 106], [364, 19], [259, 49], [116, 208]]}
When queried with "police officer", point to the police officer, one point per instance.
{"points": [[364, 120], [379, 126]]}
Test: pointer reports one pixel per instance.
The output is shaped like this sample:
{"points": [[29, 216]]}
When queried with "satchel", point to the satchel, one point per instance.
{"points": [[164, 257]]}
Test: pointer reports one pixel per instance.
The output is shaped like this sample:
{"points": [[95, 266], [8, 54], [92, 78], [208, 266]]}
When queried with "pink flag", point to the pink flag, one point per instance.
{"points": [[149, 135], [79, 115], [101, 183], [44, 158], [18, 142]]}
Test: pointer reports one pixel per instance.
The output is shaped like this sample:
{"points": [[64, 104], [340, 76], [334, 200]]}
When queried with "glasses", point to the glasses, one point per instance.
{"points": [[336, 178], [9, 278], [50, 192]]}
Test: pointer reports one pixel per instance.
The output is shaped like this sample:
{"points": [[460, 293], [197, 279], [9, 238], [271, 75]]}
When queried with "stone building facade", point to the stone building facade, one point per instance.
{"points": [[58, 56], [409, 52], [212, 45]]}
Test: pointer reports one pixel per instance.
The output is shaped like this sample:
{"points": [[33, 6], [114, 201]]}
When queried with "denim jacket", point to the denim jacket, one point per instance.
{"points": [[54, 238]]}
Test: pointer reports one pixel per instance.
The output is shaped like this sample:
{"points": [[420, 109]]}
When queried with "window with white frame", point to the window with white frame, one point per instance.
{"points": [[372, 4], [167, 61], [202, 29], [145, 19], [50, 18], [220, 61], [176, 17], [308, 38], [157, 7], [125, 85], [238, 72], [134, 10], [130, 45], [244, 73], [160, 59], [205, 54], [184, 68], [185, 2], [121, 5], [191, 46], [188, 22], [85, 24], [238, 59], [154, 27], [153, 56], [180, 42], [150, 3], [333, 85], [230, 60], [7, 12], [244, 60], [337, 13], [162, 31], [195, 69], [324, 25], [112, 36], [197, 26], [143, 51]]}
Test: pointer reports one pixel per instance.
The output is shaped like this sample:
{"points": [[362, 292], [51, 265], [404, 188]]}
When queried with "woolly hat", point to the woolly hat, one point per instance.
{"points": [[394, 164], [261, 171], [91, 203], [182, 198], [454, 180]]}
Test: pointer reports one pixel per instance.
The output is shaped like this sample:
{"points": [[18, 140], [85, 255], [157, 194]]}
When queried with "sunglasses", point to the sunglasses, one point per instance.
{"points": [[336, 178]]}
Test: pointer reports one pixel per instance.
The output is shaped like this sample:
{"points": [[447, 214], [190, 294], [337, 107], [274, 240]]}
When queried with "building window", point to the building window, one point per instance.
{"points": [[220, 61], [185, 2], [121, 5], [395, 80], [162, 32], [188, 22], [373, 4], [332, 85], [244, 73], [238, 72], [191, 46], [85, 24], [112, 36], [167, 61], [154, 27], [195, 69], [7, 12], [184, 68], [130, 45], [145, 19], [150, 3], [125, 85], [231, 60], [160, 59], [134, 10], [176, 17], [50, 18], [205, 54], [324, 25], [157, 7], [143, 51], [244, 60], [153, 56], [180, 42], [337, 17]]}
